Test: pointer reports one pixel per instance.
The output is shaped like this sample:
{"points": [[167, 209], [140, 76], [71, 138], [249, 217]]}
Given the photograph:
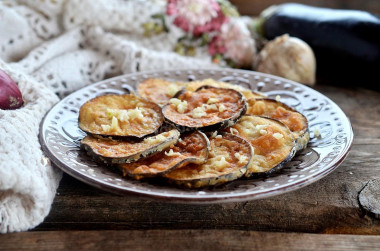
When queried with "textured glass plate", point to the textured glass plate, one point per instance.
{"points": [[60, 137]]}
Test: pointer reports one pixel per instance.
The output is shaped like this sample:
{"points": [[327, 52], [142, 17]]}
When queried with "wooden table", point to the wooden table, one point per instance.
{"points": [[325, 214]]}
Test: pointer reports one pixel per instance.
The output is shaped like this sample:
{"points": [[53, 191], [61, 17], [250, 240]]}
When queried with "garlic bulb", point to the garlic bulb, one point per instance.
{"points": [[288, 57]]}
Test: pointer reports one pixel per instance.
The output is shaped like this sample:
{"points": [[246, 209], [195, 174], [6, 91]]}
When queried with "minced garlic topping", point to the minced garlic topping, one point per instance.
{"points": [[114, 124], [213, 135], [210, 107], [212, 101], [172, 90], [113, 127], [317, 134], [175, 101], [221, 162], [181, 105], [241, 158], [125, 115], [199, 112], [277, 135], [155, 139], [252, 130], [263, 132], [261, 127], [222, 108], [215, 163], [106, 128], [172, 153], [136, 113]]}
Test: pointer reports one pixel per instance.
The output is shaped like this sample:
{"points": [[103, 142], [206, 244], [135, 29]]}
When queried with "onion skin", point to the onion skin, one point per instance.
{"points": [[10, 94]]}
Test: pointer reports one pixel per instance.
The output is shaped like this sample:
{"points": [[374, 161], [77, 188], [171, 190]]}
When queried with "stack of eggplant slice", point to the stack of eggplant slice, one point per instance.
{"points": [[196, 134]]}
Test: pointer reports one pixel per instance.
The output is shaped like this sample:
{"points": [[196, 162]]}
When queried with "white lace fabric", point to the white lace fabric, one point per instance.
{"points": [[27, 180], [52, 48]]}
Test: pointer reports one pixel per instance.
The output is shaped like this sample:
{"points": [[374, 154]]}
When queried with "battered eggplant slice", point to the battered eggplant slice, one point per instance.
{"points": [[206, 109], [191, 148], [228, 160], [120, 116], [272, 142], [296, 121], [112, 151], [159, 91], [195, 85]]}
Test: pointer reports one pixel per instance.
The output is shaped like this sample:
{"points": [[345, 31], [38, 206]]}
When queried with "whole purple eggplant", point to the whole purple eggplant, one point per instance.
{"points": [[346, 42]]}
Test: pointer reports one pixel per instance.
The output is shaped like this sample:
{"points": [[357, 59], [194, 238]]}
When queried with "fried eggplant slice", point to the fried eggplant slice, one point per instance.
{"points": [[228, 160], [111, 151], [191, 148], [120, 116], [206, 109], [272, 142], [296, 121], [159, 91], [195, 85]]}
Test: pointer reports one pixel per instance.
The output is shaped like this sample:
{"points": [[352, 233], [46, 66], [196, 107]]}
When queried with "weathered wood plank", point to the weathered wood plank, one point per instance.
{"points": [[254, 7], [369, 198], [184, 240], [362, 107], [329, 205]]}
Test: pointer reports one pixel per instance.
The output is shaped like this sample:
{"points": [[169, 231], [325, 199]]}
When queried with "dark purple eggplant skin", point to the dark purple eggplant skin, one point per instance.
{"points": [[345, 42]]}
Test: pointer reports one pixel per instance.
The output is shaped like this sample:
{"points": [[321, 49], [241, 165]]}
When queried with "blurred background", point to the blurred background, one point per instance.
{"points": [[254, 7], [345, 45]]}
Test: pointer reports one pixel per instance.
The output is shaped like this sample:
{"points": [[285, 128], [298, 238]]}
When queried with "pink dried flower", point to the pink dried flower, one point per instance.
{"points": [[235, 42], [216, 46], [196, 16]]}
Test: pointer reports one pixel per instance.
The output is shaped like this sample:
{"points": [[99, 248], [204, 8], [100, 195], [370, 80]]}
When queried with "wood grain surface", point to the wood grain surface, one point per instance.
{"points": [[184, 240]]}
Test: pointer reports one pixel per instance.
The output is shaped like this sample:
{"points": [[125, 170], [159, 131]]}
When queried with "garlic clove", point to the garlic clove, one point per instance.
{"points": [[288, 57], [10, 94]]}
